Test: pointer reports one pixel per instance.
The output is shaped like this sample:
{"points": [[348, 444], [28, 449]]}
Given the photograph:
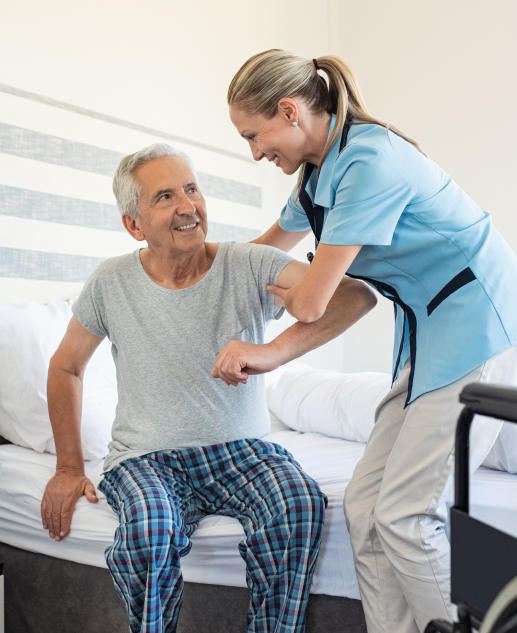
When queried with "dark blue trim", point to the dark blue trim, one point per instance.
{"points": [[390, 293], [461, 279]]}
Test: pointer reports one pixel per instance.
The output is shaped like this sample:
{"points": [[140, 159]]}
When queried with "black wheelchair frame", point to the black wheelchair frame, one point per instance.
{"points": [[483, 559]]}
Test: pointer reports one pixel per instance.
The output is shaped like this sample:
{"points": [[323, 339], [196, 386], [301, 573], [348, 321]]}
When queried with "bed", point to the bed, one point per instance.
{"points": [[214, 561], [323, 418], [65, 587]]}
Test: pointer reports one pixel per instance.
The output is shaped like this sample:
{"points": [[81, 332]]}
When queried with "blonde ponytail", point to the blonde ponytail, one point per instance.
{"points": [[272, 75]]}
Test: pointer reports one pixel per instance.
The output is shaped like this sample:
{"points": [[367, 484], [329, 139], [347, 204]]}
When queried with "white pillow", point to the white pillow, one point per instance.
{"points": [[29, 335], [503, 455], [328, 402]]}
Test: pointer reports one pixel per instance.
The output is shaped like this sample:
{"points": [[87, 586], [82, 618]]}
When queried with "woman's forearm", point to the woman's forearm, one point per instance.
{"points": [[351, 301], [277, 237]]}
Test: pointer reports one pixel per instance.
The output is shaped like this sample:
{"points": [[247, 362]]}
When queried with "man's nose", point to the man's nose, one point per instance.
{"points": [[186, 206]]}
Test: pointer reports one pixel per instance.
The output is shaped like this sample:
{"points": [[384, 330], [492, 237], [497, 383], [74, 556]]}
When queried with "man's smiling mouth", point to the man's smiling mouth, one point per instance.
{"points": [[187, 227]]}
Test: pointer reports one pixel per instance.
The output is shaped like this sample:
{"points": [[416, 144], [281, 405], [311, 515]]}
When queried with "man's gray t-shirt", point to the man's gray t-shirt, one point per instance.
{"points": [[164, 343]]}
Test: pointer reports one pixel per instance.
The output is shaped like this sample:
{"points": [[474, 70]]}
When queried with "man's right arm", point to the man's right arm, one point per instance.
{"points": [[65, 395]]}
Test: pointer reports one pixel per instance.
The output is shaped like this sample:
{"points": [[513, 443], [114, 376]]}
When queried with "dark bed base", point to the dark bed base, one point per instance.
{"points": [[49, 595]]}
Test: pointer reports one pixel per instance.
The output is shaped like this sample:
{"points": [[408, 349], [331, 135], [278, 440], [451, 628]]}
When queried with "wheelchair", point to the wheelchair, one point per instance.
{"points": [[483, 559]]}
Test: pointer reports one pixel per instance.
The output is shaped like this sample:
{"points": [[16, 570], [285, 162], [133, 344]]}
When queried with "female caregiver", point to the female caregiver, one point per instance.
{"points": [[385, 213]]}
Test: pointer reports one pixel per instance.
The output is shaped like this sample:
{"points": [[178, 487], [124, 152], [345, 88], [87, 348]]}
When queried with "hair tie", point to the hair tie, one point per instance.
{"points": [[315, 62]]}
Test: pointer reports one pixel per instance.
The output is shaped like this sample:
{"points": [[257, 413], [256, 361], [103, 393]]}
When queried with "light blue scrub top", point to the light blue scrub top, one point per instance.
{"points": [[426, 246]]}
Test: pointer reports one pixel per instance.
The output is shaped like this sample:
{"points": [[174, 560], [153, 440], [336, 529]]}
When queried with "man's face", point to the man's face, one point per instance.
{"points": [[172, 209]]}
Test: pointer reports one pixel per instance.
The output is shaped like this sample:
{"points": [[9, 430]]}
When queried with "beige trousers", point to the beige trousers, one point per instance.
{"points": [[395, 504]]}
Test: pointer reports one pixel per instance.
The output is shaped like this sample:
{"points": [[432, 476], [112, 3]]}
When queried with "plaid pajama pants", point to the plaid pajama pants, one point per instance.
{"points": [[160, 498]]}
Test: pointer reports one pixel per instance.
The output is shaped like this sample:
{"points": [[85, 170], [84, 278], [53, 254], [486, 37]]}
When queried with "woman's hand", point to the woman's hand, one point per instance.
{"points": [[277, 237], [307, 300], [286, 296]]}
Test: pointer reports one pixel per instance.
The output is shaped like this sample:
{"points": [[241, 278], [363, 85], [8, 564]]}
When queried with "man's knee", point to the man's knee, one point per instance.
{"points": [[306, 504], [151, 519], [299, 498]]}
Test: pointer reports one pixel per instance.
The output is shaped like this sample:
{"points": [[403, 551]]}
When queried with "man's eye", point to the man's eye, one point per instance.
{"points": [[165, 196]]}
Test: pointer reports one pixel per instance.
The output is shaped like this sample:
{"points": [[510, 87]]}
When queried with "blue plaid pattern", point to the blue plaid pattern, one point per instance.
{"points": [[161, 497]]}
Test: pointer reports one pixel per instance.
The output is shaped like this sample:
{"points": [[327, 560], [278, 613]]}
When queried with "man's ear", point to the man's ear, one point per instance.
{"points": [[132, 226], [288, 109]]}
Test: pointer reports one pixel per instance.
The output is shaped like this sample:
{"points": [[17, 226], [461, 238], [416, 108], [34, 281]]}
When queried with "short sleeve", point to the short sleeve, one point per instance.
{"points": [[371, 194], [267, 263], [293, 218], [88, 308]]}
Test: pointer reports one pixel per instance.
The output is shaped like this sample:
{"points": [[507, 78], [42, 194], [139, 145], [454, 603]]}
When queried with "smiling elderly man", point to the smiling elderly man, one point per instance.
{"points": [[185, 445]]}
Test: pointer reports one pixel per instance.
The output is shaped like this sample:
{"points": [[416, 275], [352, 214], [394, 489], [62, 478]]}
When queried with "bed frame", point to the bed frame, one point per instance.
{"points": [[50, 595]]}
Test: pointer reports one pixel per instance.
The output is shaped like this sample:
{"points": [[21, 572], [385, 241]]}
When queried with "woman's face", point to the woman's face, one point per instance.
{"points": [[274, 139]]}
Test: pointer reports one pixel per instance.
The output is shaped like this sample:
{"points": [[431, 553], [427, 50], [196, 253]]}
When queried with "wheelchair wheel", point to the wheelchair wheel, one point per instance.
{"points": [[501, 617]]}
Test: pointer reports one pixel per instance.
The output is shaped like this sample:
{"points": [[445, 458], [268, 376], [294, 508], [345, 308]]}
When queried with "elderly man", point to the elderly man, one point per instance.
{"points": [[184, 445]]}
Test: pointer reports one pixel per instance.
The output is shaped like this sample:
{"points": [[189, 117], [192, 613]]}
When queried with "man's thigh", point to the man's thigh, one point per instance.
{"points": [[150, 501], [276, 492]]}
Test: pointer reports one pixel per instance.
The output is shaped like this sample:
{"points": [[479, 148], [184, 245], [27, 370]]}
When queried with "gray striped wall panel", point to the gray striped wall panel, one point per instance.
{"points": [[24, 264], [28, 264], [18, 141], [47, 207], [24, 94], [225, 233]]}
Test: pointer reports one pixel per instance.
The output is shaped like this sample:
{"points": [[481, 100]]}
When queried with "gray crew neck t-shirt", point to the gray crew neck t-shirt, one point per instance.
{"points": [[164, 343]]}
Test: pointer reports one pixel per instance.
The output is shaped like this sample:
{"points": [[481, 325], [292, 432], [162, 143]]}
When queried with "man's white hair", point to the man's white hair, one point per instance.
{"points": [[127, 191]]}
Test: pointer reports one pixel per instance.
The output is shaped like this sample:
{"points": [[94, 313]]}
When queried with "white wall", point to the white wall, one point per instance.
{"points": [[444, 72], [161, 64], [166, 64]]}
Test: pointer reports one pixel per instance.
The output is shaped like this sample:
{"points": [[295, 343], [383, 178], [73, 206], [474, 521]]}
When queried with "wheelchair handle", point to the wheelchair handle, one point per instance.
{"points": [[479, 399]]}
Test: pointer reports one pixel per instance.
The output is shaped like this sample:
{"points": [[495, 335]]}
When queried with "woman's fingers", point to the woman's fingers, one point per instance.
{"points": [[276, 290]]}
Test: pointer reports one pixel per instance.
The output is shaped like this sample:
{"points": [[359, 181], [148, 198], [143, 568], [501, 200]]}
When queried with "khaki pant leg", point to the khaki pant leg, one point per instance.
{"points": [[384, 603], [411, 510]]}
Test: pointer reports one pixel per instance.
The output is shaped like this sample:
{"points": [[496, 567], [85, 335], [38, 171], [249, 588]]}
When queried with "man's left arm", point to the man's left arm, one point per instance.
{"points": [[351, 301]]}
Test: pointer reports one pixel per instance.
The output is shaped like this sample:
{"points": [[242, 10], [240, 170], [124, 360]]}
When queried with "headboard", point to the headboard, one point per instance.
{"points": [[58, 218]]}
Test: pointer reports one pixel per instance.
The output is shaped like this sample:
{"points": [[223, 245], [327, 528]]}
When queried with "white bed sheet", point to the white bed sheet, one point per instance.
{"points": [[214, 557]]}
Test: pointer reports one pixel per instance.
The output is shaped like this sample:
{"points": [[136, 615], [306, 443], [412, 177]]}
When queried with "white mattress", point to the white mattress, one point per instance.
{"points": [[214, 557]]}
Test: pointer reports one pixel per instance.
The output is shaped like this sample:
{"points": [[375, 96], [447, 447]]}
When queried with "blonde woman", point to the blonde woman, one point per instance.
{"points": [[385, 213]]}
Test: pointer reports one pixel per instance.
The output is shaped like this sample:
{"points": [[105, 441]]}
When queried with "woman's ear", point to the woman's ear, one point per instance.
{"points": [[132, 226], [288, 110]]}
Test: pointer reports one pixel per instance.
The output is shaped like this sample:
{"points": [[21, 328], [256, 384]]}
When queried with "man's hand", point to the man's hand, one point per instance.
{"points": [[238, 360], [61, 495]]}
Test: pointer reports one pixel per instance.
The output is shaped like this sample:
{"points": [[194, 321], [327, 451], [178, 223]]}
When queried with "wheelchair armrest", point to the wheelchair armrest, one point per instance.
{"points": [[492, 400]]}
